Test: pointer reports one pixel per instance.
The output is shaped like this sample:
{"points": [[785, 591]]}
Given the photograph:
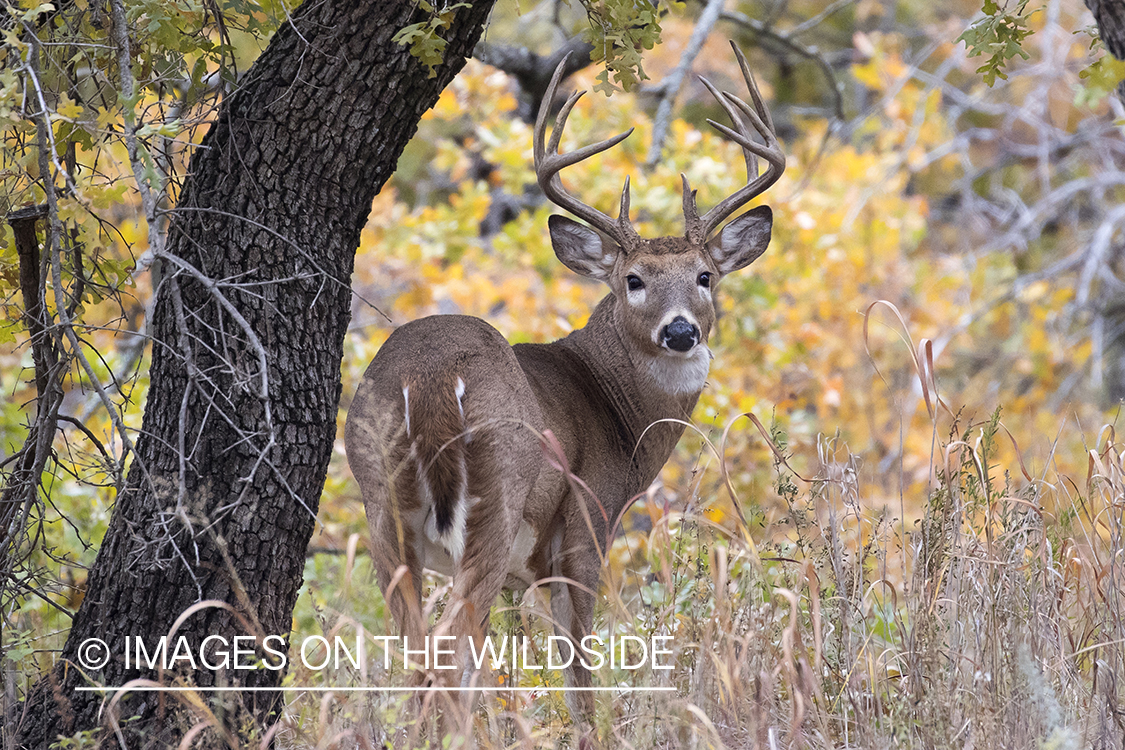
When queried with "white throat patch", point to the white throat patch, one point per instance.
{"points": [[678, 375]]}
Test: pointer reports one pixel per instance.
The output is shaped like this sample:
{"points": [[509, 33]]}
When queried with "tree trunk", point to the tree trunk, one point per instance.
{"points": [[223, 490], [1110, 17]]}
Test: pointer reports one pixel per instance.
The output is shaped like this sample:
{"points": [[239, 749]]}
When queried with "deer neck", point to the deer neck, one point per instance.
{"points": [[625, 377]]}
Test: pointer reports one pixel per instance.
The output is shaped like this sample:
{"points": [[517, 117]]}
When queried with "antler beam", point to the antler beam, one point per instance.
{"points": [[698, 228], [549, 162]]}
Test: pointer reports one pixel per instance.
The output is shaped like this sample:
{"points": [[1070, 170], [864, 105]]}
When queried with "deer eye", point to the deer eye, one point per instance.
{"points": [[634, 282], [705, 280]]}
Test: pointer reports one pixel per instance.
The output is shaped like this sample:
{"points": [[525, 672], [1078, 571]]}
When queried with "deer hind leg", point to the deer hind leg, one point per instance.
{"points": [[498, 487], [399, 574], [393, 513], [477, 583], [377, 442], [572, 608]]}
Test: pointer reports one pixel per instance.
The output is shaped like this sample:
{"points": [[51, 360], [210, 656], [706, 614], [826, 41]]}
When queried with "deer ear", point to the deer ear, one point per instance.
{"points": [[741, 241], [581, 249]]}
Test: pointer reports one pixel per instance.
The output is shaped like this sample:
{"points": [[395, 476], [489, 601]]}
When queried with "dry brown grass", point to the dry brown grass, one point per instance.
{"points": [[993, 621]]}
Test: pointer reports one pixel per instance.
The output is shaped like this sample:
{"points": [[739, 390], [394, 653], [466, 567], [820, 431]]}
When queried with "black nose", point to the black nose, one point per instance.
{"points": [[680, 335]]}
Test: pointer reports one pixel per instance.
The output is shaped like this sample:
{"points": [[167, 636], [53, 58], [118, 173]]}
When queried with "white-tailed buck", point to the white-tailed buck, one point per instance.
{"points": [[444, 434]]}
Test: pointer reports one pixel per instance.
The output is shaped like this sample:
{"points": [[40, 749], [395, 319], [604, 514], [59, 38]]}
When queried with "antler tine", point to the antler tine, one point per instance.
{"points": [[541, 118], [764, 130], [698, 228], [751, 159], [566, 160], [623, 213], [749, 147], [694, 229], [691, 214], [751, 84], [548, 163]]}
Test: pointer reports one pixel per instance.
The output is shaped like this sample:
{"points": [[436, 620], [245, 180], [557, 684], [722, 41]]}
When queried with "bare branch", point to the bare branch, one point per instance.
{"points": [[809, 52], [48, 158], [674, 80], [532, 71], [125, 71]]}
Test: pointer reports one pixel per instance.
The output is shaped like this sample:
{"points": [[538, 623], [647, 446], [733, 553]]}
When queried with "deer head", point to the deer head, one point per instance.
{"points": [[664, 287]]}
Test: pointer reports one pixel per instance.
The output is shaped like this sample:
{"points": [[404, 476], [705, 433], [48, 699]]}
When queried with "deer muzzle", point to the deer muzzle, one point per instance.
{"points": [[680, 335]]}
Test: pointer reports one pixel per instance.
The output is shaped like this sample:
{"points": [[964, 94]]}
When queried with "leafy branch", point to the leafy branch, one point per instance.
{"points": [[619, 30], [999, 34], [1103, 76], [424, 38]]}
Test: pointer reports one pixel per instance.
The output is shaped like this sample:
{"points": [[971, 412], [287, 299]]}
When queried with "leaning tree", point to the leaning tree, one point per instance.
{"points": [[247, 329]]}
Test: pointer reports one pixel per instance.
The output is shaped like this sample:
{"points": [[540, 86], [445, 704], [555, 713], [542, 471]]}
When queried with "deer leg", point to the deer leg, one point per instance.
{"points": [[477, 583], [377, 448], [399, 574], [572, 608]]}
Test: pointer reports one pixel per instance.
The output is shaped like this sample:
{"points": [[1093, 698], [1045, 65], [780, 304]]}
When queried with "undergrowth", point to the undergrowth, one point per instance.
{"points": [[833, 619], [992, 621]]}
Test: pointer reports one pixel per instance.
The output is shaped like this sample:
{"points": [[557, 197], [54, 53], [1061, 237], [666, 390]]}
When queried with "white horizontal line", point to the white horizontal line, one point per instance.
{"points": [[433, 689]]}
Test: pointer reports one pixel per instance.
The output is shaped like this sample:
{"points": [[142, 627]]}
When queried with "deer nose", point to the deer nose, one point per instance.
{"points": [[680, 335]]}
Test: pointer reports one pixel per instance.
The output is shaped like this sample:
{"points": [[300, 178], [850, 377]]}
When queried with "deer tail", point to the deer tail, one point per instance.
{"points": [[435, 425]]}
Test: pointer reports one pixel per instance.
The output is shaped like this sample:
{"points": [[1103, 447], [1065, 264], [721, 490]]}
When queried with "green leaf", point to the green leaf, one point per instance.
{"points": [[1000, 35], [1099, 80], [620, 29], [425, 44]]}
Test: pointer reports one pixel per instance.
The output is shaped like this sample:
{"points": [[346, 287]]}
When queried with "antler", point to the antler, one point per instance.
{"points": [[699, 227], [548, 163]]}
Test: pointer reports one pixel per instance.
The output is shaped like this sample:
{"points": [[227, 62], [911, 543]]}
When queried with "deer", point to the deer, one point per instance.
{"points": [[502, 465]]}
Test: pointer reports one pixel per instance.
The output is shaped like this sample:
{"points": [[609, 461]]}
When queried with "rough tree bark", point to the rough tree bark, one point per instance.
{"points": [[1110, 17], [221, 497]]}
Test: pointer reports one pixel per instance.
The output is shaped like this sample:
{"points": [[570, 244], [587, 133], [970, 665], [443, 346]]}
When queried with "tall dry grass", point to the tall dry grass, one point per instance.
{"points": [[992, 620]]}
